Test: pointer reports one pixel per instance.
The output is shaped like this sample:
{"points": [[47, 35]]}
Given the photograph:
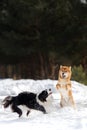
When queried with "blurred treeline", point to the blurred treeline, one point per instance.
{"points": [[36, 36]]}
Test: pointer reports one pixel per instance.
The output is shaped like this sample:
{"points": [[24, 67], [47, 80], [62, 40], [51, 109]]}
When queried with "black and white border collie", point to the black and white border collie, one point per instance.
{"points": [[29, 99]]}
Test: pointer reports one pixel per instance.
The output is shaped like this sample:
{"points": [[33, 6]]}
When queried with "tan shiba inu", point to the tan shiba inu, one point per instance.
{"points": [[64, 86]]}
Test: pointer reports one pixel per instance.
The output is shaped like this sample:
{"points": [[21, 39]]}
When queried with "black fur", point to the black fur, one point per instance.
{"points": [[28, 99]]}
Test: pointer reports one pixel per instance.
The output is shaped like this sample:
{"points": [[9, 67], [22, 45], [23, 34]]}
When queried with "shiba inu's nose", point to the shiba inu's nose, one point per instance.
{"points": [[63, 73]]}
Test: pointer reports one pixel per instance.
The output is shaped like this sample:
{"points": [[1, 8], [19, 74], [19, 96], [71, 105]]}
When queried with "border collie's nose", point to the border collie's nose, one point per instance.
{"points": [[49, 89]]}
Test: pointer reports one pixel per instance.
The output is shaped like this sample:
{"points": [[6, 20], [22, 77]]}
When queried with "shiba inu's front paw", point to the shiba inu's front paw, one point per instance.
{"points": [[57, 86]]}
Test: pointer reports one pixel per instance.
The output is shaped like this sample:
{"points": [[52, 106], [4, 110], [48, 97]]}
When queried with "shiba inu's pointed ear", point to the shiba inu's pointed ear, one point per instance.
{"points": [[60, 66], [69, 67]]}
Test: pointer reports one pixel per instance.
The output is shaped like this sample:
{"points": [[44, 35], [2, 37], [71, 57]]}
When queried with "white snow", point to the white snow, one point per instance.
{"points": [[57, 118]]}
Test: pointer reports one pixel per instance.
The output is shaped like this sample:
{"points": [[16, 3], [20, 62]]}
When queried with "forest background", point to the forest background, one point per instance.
{"points": [[37, 36]]}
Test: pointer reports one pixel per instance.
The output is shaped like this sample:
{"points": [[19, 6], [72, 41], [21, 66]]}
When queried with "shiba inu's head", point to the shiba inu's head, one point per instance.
{"points": [[65, 72]]}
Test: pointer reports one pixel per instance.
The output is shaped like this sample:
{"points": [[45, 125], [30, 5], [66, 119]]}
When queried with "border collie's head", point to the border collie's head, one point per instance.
{"points": [[44, 95]]}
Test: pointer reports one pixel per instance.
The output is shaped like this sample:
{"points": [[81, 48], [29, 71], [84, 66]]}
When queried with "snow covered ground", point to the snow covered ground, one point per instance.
{"points": [[56, 119]]}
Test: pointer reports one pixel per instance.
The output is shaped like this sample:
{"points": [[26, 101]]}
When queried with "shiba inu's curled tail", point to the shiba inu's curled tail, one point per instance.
{"points": [[7, 101]]}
